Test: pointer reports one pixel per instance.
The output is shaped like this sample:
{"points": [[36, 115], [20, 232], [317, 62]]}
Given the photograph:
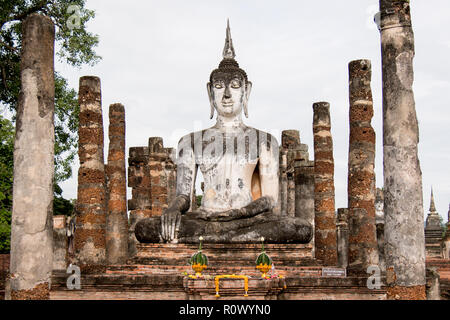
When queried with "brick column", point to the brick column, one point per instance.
{"points": [[60, 243], [290, 143], [304, 196], [283, 182], [446, 241], [139, 180], [91, 203], [32, 208], [324, 220], [116, 217], [363, 251], [342, 237], [403, 199]]}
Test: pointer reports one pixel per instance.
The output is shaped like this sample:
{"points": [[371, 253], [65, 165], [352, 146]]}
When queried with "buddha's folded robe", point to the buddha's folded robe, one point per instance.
{"points": [[274, 229]]}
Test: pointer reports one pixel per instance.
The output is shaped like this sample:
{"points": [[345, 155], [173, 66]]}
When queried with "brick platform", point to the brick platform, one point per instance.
{"points": [[443, 267], [158, 272]]}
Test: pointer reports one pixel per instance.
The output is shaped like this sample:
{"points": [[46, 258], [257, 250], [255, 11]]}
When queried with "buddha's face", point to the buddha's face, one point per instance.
{"points": [[228, 94]]}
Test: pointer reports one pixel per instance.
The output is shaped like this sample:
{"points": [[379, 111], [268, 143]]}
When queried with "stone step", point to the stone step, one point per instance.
{"points": [[224, 254], [212, 271], [177, 286]]}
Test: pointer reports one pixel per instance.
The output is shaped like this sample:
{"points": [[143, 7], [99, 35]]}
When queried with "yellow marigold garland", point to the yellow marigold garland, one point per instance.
{"points": [[231, 276]]}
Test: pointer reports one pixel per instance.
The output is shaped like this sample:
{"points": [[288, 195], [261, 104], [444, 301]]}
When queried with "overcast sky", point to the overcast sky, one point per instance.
{"points": [[157, 57]]}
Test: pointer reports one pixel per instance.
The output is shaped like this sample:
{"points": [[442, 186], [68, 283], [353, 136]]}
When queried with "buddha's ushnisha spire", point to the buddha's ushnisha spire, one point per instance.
{"points": [[432, 206], [228, 50]]}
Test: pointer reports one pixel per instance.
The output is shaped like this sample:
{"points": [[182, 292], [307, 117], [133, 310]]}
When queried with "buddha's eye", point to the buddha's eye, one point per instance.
{"points": [[235, 84], [218, 85]]}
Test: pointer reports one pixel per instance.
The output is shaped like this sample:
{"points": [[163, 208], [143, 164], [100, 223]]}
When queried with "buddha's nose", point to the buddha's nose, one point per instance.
{"points": [[227, 93]]}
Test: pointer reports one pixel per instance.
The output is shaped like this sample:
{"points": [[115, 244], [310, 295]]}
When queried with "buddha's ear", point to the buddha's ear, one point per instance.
{"points": [[247, 96], [211, 99]]}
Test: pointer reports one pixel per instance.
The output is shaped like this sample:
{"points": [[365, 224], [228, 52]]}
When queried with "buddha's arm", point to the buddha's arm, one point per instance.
{"points": [[186, 171], [268, 171]]}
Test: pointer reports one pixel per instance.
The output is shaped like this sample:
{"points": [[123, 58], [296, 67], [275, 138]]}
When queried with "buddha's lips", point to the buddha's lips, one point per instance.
{"points": [[228, 104]]}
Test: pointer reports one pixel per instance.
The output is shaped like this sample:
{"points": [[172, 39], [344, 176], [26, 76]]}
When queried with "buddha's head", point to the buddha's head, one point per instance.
{"points": [[228, 86]]}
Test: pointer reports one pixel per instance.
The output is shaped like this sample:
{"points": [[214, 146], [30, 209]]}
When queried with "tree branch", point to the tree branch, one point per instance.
{"points": [[8, 46], [22, 15]]}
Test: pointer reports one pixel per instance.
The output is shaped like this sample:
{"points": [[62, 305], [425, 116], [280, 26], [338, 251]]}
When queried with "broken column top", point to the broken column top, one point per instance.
{"points": [[290, 139], [116, 107], [155, 145], [92, 82], [321, 113], [342, 215], [360, 68]]}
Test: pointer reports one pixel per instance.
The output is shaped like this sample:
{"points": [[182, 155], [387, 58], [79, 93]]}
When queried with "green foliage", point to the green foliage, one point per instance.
{"points": [[198, 200], [75, 47], [6, 181]]}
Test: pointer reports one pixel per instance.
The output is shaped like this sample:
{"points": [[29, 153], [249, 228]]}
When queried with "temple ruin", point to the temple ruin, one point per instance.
{"points": [[138, 248]]}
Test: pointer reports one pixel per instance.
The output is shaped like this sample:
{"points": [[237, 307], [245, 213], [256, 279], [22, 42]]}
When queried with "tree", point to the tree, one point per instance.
{"points": [[76, 47], [6, 181]]}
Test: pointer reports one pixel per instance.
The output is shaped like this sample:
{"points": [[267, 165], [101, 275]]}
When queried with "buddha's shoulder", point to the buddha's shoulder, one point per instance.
{"points": [[263, 135]]}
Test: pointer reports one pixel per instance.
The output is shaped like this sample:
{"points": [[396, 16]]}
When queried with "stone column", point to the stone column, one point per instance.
{"points": [[403, 202], [283, 181], [304, 191], [291, 195], [342, 237], [116, 217], [363, 251], [446, 240], [32, 209], [379, 220], [140, 204], [433, 289], [324, 220], [290, 143], [60, 243], [91, 202]]}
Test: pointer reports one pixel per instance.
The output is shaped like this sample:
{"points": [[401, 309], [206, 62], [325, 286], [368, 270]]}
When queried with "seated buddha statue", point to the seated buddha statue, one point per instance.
{"points": [[240, 167]]}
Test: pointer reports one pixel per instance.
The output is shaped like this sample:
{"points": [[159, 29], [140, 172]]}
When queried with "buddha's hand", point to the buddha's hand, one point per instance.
{"points": [[171, 218], [170, 224]]}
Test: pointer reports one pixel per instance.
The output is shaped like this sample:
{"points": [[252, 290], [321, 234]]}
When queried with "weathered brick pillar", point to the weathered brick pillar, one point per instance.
{"points": [[60, 243], [379, 220], [324, 219], [162, 175], [290, 139], [363, 251], [116, 216], [304, 196], [32, 210], [290, 142], [403, 200], [446, 240], [91, 203], [342, 237], [139, 180], [283, 182]]}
